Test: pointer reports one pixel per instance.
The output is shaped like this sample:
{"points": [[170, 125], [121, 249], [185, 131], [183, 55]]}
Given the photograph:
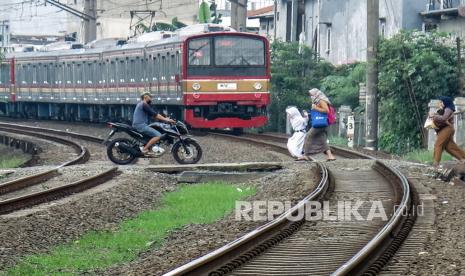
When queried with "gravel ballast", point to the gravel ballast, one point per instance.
{"points": [[215, 149], [135, 190], [443, 253]]}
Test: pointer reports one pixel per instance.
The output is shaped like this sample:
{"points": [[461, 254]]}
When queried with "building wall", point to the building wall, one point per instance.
{"points": [[346, 20], [113, 16], [36, 19], [455, 26]]}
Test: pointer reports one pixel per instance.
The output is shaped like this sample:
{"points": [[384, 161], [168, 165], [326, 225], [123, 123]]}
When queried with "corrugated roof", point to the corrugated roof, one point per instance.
{"points": [[259, 12]]}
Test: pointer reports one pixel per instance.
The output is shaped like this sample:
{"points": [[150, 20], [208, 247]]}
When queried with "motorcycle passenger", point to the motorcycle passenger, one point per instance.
{"points": [[141, 120]]}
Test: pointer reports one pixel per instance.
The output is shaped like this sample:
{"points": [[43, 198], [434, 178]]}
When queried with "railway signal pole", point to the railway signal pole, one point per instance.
{"points": [[239, 15], [371, 136]]}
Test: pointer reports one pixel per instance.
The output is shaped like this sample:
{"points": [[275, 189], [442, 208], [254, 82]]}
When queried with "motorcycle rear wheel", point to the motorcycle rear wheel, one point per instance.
{"points": [[117, 155]]}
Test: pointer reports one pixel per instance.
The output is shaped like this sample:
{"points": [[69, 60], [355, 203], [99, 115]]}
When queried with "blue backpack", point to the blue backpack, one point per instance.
{"points": [[319, 119]]}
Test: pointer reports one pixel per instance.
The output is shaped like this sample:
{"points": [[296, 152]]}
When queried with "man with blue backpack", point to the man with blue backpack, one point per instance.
{"points": [[322, 115]]}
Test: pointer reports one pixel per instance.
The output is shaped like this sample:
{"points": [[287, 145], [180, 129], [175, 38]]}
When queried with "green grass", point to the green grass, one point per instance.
{"points": [[425, 156], [11, 160], [338, 141], [190, 204]]}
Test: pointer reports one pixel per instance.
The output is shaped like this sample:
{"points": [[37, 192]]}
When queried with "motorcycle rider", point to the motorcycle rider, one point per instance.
{"points": [[143, 113]]}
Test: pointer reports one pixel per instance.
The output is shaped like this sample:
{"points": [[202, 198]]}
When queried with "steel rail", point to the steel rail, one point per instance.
{"points": [[353, 264], [83, 153], [243, 244], [360, 262], [20, 183], [28, 200], [56, 132]]}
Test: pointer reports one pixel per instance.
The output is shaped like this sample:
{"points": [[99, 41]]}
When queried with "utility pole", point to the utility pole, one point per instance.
{"points": [[239, 15], [294, 14], [371, 136], [4, 36], [90, 26], [90, 21], [459, 67]]}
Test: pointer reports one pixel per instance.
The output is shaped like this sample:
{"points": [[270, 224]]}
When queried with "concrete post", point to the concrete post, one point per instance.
{"points": [[343, 112], [433, 107], [371, 141], [294, 14], [459, 121]]}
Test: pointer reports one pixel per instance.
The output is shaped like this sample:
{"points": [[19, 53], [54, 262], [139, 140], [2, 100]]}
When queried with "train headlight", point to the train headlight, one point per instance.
{"points": [[196, 86], [257, 86]]}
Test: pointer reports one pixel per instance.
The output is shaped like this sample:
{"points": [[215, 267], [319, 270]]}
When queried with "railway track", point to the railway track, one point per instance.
{"points": [[322, 247], [301, 247], [31, 199]]}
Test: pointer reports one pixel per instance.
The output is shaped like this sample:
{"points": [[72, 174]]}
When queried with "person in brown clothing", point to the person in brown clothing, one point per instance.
{"points": [[445, 132]]}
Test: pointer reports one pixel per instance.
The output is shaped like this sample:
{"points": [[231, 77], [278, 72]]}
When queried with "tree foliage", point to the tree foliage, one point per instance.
{"points": [[204, 13], [161, 26], [293, 74], [414, 68], [343, 86]]}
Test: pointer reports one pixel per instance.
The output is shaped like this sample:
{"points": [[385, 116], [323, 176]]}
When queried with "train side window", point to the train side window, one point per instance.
{"points": [[34, 74], [112, 72], [131, 72], [30, 73], [148, 69], [156, 70], [122, 71], [88, 73], [69, 73], [42, 73], [163, 68], [51, 73]]}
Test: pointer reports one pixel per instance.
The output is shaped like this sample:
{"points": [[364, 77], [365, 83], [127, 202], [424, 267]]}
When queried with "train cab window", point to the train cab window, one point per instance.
{"points": [[231, 55], [200, 52], [239, 51]]}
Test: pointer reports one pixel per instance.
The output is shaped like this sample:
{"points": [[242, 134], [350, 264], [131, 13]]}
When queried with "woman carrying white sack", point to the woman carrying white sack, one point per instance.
{"points": [[295, 144]]}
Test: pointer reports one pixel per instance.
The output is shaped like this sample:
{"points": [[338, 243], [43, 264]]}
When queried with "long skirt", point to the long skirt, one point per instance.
{"points": [[316, 141], [295, 144]]}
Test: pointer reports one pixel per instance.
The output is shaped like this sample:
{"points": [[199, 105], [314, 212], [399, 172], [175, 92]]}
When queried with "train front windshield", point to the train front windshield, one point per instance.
{"points": [[226, 55]]}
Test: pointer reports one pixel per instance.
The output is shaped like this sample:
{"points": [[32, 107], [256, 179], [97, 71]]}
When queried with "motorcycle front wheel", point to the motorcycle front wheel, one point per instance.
{"points": [[118, 152], [192, 156]]}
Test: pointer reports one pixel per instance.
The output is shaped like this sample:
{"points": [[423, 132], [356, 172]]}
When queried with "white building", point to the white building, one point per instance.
{"points": [[34, 18]]}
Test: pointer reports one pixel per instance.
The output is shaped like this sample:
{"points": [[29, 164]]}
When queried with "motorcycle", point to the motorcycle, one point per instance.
{"points": [[123, 150]]}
